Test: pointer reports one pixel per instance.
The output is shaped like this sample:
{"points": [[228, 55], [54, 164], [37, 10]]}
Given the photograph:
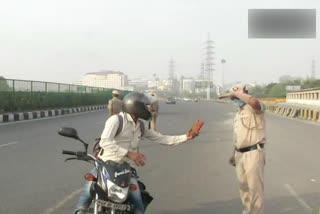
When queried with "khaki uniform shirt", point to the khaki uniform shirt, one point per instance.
{"points": [[249, 126], [115, 106], [154, 107]]}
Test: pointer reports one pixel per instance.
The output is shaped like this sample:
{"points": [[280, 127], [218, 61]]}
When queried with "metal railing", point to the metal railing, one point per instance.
{"points": [[14, 85], [21, 95]]}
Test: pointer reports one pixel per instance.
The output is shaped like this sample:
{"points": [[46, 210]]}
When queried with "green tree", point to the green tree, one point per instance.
{"points": [[310, 84], [277, 91], [258, 91]]}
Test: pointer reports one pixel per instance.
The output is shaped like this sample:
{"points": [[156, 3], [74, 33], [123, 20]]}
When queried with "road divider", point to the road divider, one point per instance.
{"points": [[19, 116], [295, 112]]}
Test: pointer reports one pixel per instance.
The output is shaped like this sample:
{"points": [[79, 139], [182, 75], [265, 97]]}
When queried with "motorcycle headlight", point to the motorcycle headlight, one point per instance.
{"points": [[116, 193]]}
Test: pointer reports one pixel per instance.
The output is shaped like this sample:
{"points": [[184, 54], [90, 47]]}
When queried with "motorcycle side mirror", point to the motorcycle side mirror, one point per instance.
{"points": [[68, 132], [72, 133]]}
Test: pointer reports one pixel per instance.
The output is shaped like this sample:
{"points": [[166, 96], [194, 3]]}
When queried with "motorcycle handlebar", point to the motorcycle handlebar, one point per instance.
{"points": [[66, 152], [79, 155]]}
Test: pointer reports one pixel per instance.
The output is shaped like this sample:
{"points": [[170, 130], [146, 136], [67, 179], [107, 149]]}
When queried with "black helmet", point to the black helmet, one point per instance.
{"points": [[137, 104]]}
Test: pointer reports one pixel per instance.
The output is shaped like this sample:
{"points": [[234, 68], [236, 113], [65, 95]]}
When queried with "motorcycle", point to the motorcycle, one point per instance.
{"points": [[111, 186]]}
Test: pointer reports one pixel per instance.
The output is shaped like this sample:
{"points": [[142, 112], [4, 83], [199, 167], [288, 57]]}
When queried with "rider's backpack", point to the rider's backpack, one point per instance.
{"points": [[97, 149]]}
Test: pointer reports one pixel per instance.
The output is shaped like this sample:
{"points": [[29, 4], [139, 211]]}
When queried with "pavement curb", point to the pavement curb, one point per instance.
{"points": [[31, 115]]}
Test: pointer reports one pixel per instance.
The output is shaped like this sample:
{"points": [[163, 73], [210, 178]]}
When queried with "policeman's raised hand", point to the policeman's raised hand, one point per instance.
{"points": [[228, 95], [138, 158]]}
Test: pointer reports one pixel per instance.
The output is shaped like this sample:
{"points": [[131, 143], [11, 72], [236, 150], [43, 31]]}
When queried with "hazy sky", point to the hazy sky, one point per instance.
{"points": [[61, 40]]}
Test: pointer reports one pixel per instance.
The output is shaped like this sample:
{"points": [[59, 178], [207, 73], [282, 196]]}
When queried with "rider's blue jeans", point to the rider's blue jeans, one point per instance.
{"points": [[85, 198]]}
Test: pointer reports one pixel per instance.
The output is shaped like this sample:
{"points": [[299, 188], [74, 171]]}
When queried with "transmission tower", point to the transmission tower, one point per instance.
{"points": [[201, 77], [171, 69], [209, 57]]}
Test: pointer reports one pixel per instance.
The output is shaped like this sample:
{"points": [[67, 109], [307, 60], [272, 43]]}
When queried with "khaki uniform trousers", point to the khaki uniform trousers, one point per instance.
{"points": [[250, 173]]}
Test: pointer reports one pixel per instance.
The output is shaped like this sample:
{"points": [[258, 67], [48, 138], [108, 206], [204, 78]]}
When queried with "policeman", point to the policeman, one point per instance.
{"points": [[115, 104], [249, 155], [154, 109]]}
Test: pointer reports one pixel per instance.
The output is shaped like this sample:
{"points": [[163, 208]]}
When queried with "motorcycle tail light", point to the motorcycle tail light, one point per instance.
{"points": [[133, 187], [90, 177]]}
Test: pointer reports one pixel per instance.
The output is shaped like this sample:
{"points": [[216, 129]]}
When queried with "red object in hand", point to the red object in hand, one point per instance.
{"points": [[197, 127]]}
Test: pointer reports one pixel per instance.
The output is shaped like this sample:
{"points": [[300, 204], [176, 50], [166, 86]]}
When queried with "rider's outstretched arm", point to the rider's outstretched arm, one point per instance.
{"points": [[164, 139]]}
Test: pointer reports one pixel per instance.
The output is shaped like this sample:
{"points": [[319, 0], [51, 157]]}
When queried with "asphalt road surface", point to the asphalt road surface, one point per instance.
{"points": [[192, 178]]}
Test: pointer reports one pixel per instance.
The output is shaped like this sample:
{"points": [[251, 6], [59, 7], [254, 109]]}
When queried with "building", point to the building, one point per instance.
{"points": [[153, 84], [106, 79], [78, 82], [188, 85], [201, 86], [139, 84]]}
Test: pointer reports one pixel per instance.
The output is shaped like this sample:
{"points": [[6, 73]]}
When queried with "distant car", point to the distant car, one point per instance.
{"points": [[171, 100]]}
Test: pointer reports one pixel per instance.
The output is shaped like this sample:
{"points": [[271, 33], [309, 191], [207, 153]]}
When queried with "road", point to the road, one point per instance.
{"points": [[193, 178]]}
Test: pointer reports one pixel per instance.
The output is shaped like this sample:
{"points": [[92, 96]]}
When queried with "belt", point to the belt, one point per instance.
{"points": [[250, 148]]}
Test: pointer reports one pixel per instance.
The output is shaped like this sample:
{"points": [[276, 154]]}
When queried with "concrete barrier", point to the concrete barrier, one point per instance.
{"points": [[11, 117], [292, 113], [310, 114], [315, 116], [295, 113], [289, 110], [318, 119], [301, 115]]}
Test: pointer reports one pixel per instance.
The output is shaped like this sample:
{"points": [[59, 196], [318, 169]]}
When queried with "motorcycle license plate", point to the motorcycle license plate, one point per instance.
{"points": [[109, 204]]}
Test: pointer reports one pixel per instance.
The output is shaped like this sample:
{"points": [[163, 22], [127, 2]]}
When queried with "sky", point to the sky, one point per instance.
{"points": [[61, 40]]}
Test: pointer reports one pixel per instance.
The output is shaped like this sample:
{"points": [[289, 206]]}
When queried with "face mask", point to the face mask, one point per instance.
{"points": [[239, 103]]}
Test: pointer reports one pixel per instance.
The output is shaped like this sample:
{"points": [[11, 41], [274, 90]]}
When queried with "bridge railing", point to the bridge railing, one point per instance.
{"points": [[307, 97], [15, 85]]}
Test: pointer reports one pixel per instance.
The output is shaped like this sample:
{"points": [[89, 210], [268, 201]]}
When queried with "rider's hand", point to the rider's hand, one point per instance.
{"points": [[138, 158], [191, 134]]}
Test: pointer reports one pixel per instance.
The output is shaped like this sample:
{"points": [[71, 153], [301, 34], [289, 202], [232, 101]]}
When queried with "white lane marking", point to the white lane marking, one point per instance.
{"points": [[61, 203], [8, 144], [298, 198], [48, 118]]}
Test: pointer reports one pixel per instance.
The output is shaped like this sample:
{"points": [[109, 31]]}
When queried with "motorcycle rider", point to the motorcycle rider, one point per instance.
{"points": [[124, 147]]}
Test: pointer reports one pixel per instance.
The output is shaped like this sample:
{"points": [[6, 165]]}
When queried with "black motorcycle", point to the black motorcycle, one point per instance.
{"points": [[111, 187]]}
